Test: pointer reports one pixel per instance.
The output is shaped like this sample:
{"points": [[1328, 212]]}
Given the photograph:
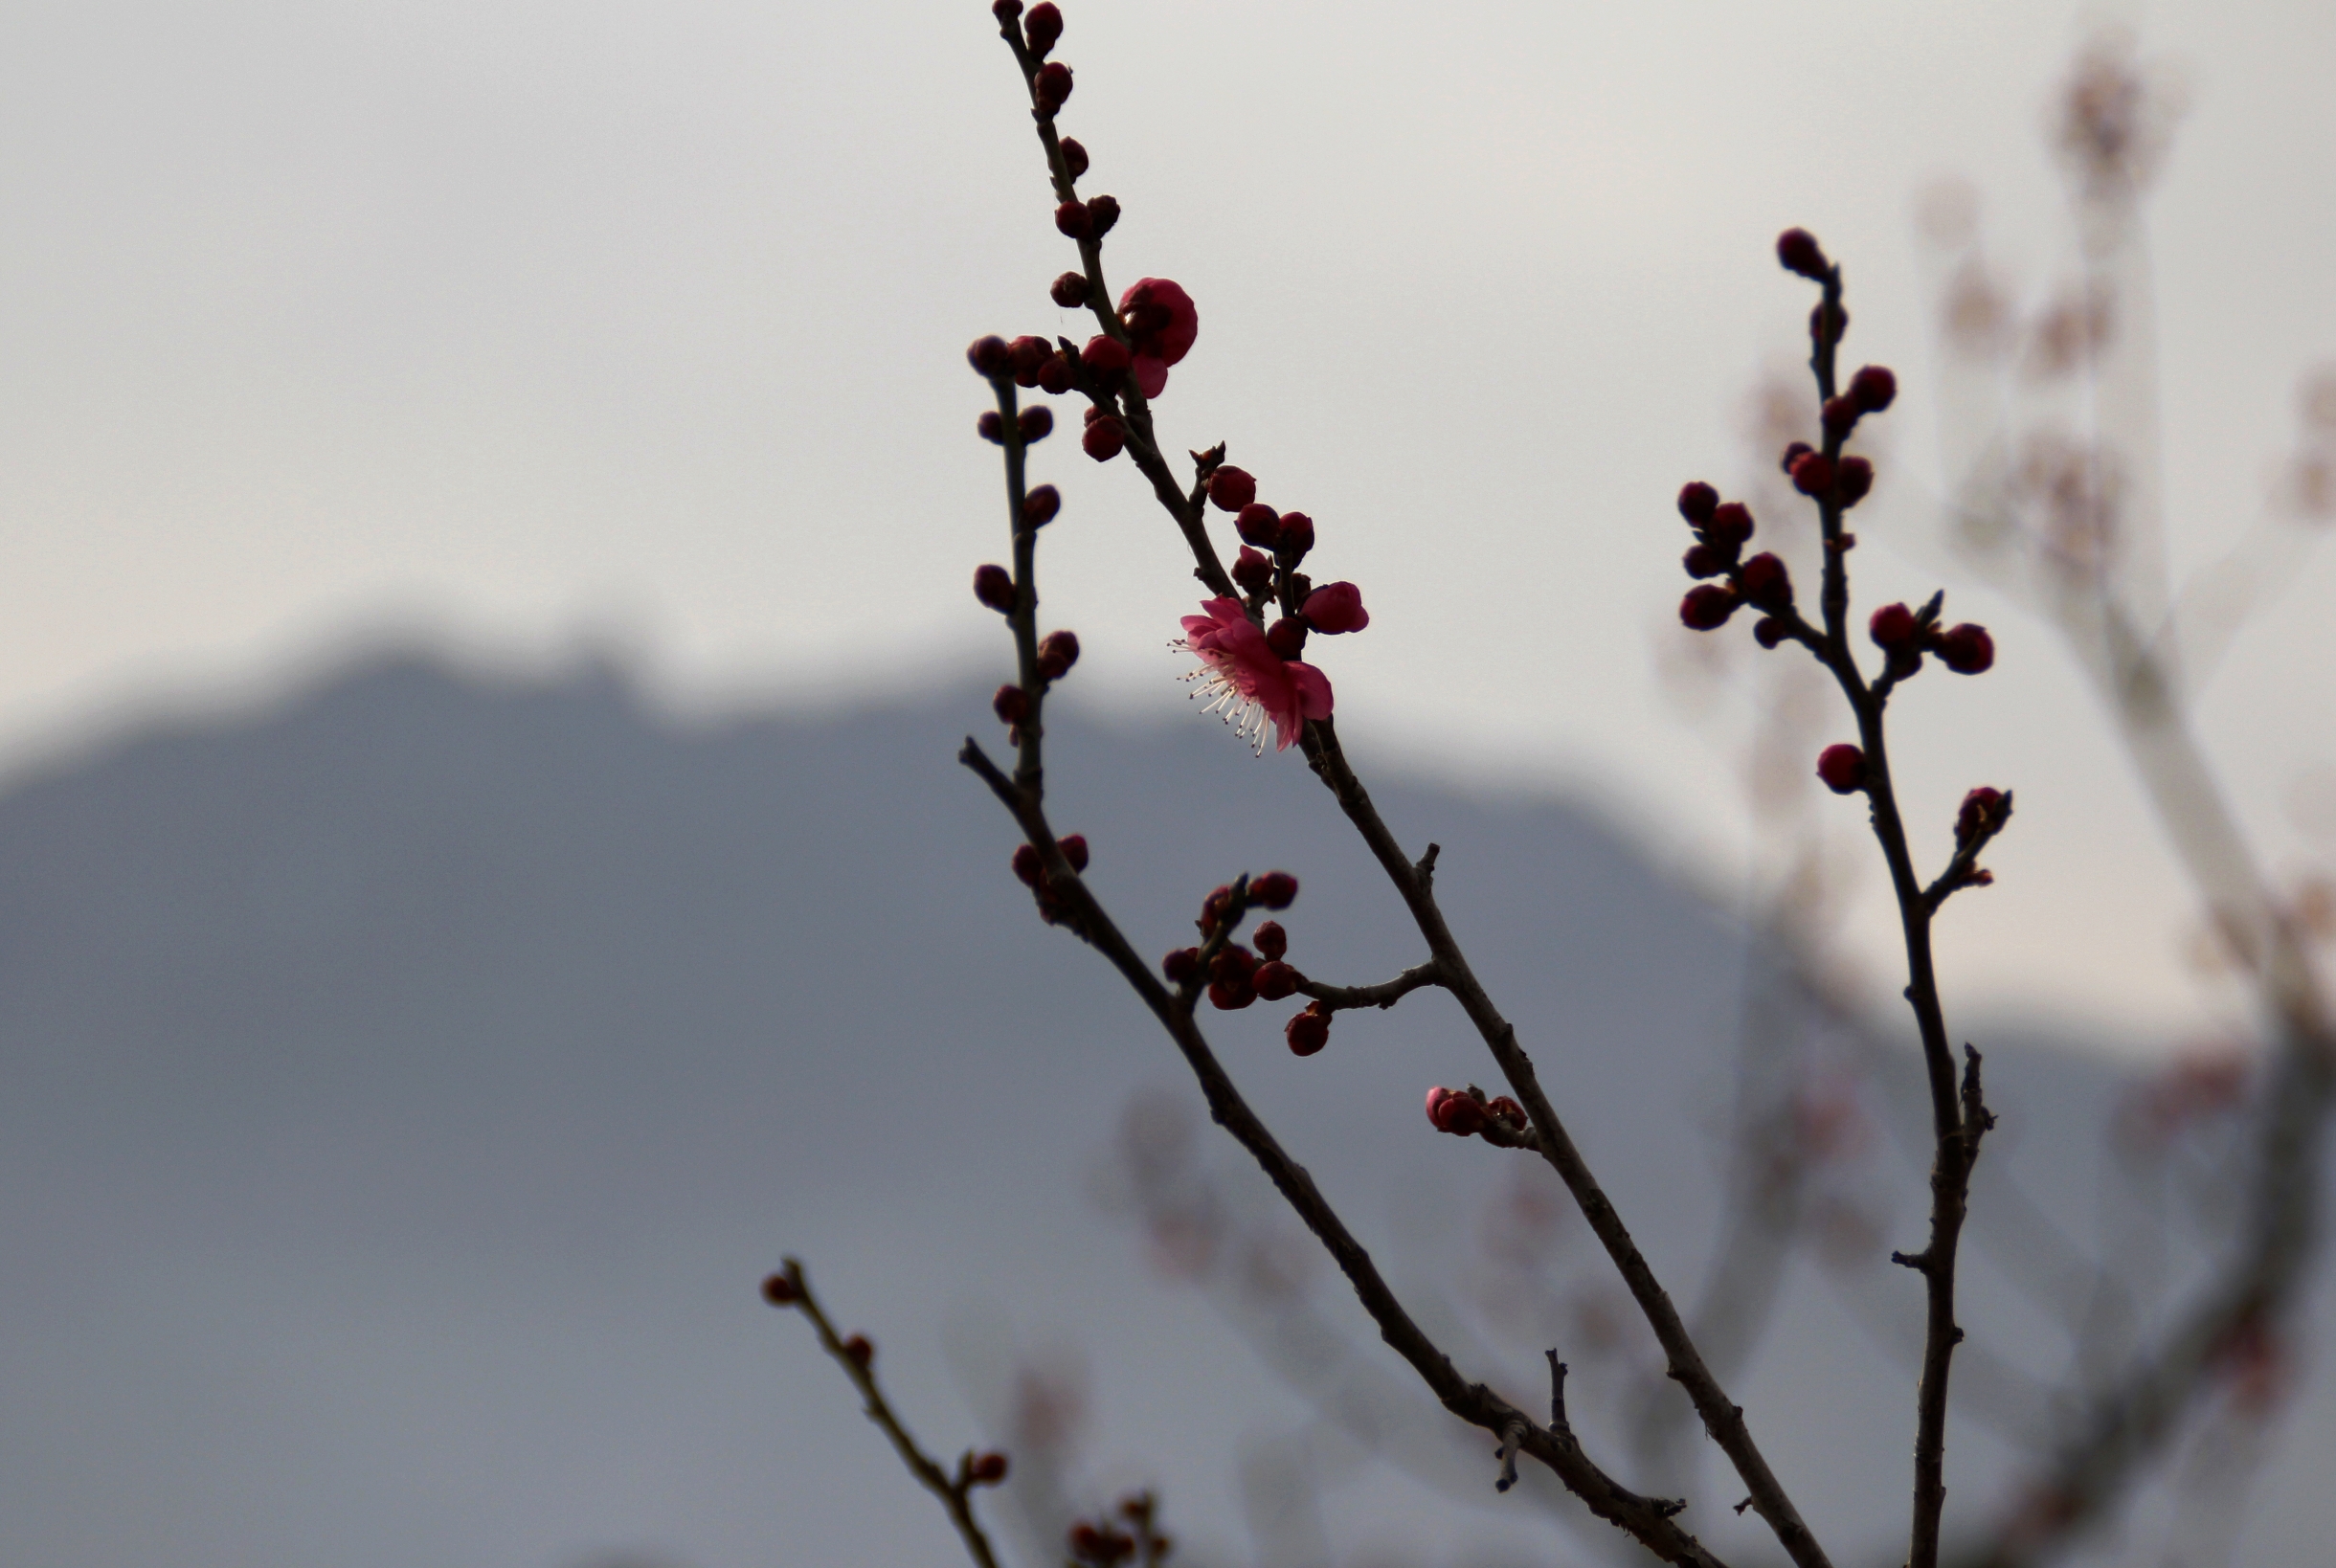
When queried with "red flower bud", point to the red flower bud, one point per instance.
{"points": [[1765, 582], [1697, 501], [1270, 940], [1813, 474], [988, 355], [1036, 421], [1853, 478], [1287, 637], [1308, 1032], [1074, 156], [1102, 214], [991, 427], [1073, 845], [1769, 631], [1213, 908], [1005, 11], [778, 1291], [1057, 652], [1043, 27], [1839, 417], [1053, 86], [1703, 561], [1258, 524], [1103, 439], [1252, 571], [1274, 981], [1181, 967], [987, 1470], [1799, 252], [1983, 811], [1275, 891], [1459, 1114], [1055, 375], [1730, 525], [1967, 649], [1843, 767], [994, 586], [1297, 537], [1231, 995], [1011, 704], [861, 1353], [1708, 607], [1508, 1112], [1336, 608], [1892, 625], [1106, 354], [1071, 221], [1040, 505], [1794, 453], [1025, 354], [1230, 488], [1070, 291], [1873, 388], [1028, 867]]}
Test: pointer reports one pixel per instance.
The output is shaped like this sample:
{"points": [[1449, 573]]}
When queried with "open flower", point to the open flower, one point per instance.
{"points": [[1161, 322], [1248, 681]]}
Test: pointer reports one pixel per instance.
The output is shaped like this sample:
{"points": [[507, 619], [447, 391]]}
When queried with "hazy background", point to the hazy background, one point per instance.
{"points": [[510, 331]]}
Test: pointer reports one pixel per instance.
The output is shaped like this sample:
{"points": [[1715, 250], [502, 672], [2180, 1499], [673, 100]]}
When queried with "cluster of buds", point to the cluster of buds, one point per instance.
{"points": [[1107, 1542], [1031, 868], [1272, 545], [1466, 1113], [1237, 974], [1906, 634], [1721, 529]]}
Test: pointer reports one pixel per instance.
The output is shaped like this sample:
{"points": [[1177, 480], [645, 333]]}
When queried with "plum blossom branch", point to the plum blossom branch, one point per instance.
{"points": [[1386, 993], [790, 1287]]}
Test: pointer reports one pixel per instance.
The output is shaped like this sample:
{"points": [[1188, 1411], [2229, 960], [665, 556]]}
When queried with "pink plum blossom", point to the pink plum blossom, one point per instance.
{"points": [[1334, 608], [1162, 322], [1248, 680]]}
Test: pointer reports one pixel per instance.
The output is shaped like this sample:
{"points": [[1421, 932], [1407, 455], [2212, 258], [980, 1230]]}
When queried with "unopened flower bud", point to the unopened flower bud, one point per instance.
{"points": [[1043, 27], [991, 427], [1073, 846], [1839, 417], [1460, 1114], [1070, 291], [1025, 354], [1057, 652], [1967, 649], [1708, 607], [1697, 501], [1011, 704], [1252, 571], [1230, 488], [1799, 252], [1765, 582], [1270, 940], [1005, 11], [1102, 213], [1275, 891], [1297, 538], [1853, 478], [1983, 811], [778, 1291], [1182, 966], [1040, 505], [1703, 561], [1813, 474], [1105, 354], [1103, 439], [1232, 965], [1731, 524], [861, 1353], [1336, 608], [1036, 421], [1258, 524], [1769, 631], [994, 586], [1074, 156], [1274, 981], [1028, 869], [1506, 1111], [1055, 375], [989, 356], [1214, 908], [1231, 995], [1071, 220], [1308, 1032], [1873, 388], [1794, 452], [1843, 767], [1892, 626], [987, 1470], [1287, 637], [1053, 86]]}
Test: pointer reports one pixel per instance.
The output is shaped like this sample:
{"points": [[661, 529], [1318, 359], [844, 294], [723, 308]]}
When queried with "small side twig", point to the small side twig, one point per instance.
{"points": [[1386, 993]]}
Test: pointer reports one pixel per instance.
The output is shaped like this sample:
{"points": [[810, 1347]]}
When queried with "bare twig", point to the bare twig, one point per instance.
{"points": [[1386, 993]]}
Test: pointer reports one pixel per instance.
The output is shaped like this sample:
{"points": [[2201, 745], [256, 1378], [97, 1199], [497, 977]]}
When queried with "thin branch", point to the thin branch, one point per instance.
{"points": [[955, 1494], [1386, 993]]}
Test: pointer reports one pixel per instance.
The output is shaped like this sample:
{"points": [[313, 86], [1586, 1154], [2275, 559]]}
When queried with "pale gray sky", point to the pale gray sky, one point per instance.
{"points": [[519, 324]]}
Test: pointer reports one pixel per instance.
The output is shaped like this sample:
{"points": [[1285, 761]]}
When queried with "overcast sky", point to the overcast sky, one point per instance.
{"points": [[519, 325]]}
